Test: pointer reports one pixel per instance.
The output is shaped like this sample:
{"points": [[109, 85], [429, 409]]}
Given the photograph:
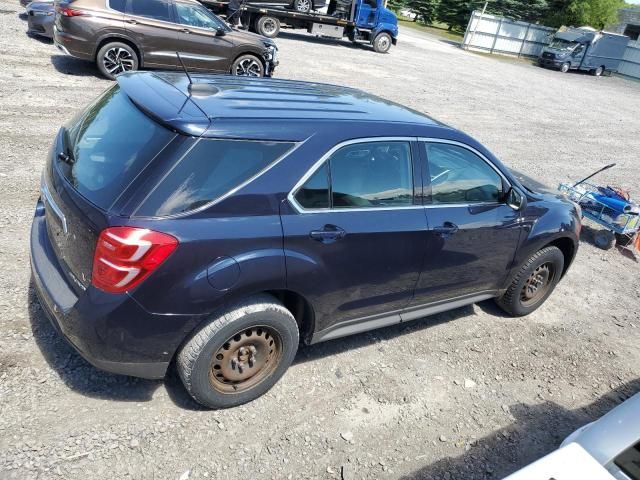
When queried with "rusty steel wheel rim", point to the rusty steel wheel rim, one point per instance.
{"points": [[245, 359], [538, 284]]}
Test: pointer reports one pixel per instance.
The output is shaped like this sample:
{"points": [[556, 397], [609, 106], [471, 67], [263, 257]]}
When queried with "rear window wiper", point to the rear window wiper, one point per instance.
{"points": [[66, 155]]}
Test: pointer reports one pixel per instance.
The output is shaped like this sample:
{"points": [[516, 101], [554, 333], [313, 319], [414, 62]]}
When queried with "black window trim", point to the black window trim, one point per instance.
{"points": [[506, 185], [327, 156]]}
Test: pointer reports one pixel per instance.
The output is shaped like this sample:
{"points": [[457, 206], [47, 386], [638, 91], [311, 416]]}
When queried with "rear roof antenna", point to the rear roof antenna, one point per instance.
{"points": [[195, 88], [185, 69]]}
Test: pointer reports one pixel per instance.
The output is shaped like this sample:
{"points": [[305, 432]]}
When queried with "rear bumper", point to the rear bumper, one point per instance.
{"points": [[112, 332], [40, 25], [72, 45]]}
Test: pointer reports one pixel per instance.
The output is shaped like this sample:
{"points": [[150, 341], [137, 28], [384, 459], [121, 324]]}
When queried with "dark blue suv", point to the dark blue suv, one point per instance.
{"points": [[220, 223]]}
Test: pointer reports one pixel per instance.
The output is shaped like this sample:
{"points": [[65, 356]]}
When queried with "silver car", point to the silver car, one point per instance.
{"points": [[40, 17]]}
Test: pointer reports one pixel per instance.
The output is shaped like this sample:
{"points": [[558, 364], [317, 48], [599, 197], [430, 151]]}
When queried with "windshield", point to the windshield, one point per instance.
{"points": [[107, 146], [559, 44]]}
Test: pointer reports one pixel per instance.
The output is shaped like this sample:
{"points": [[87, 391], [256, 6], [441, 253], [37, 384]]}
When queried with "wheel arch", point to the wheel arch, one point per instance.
{"points": [[114, 37], [300, 308], [568, 248], [248, 51]]}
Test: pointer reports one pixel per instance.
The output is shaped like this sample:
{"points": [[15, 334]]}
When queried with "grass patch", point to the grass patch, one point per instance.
{"points": [[438, 30]]}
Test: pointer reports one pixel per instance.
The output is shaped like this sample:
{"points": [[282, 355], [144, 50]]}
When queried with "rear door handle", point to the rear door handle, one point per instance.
{"points": [[328, 234], [185, 30], [447, 228], [131, 21]]}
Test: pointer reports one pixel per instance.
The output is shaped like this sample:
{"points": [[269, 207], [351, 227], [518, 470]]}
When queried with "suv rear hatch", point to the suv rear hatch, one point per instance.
{"points": [[93, 161]]}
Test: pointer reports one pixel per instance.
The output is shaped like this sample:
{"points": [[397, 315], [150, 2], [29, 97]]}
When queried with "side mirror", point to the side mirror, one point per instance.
{"points": [[516, 199], [220, 32]]}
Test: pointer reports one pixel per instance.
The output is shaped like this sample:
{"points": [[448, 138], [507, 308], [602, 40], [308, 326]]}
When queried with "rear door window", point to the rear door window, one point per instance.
{"points": [[156, 9], [118, 5], [107, 146], [211, 169], [362, 175]]}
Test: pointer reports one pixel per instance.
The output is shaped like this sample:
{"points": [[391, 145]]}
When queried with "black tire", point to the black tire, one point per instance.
{"points": [[247, 65], [565, 67], [268, 26], [116, 54], [604, 239], [515, 300], [597, 72], [302, 6], [249, 321], [382, 42]]}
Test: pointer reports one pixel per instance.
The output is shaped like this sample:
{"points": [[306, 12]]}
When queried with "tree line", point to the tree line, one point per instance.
{"points": [[553, 13]]}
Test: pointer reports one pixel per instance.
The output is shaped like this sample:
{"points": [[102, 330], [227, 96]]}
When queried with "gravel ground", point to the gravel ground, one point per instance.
{"points": [[468, 394]]}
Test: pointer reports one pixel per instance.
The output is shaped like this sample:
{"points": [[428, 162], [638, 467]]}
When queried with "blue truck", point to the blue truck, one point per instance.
{"points": [[584, 49], [361, 21]]}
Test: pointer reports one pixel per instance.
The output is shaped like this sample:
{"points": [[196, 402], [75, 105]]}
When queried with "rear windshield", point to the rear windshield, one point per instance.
{"points": [[107, 145], [211, 169]]}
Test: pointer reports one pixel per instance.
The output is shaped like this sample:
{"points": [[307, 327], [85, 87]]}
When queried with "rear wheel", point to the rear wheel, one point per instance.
{"points": [[604, 239], [115, 58], [240, 354], [382, 42], [533, 283], [268, 26], [598, 71], [565, 67], [247, 66]]}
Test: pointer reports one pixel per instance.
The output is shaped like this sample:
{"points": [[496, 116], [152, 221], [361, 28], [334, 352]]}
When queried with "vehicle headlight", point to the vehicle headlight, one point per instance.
{"points": [[272, 52]]}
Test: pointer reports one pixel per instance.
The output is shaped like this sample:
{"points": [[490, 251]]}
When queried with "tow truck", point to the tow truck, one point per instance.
{"points": [[361, 21]]}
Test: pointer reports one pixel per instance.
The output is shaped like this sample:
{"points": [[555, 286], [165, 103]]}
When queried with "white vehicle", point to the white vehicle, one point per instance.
{"points": [[606, 449]]}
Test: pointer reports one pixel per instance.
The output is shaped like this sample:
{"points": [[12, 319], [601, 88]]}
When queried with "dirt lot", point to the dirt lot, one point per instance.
{"points": [[465, 395]]}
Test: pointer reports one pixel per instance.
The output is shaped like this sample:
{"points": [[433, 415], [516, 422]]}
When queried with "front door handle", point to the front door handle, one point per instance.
{"points": [[131, 21], [328, 234], [447, 228], [185, 30]]}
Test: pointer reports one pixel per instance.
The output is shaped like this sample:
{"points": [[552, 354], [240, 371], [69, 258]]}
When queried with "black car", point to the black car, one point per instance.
{"points": [[40, 17], [219, 223]]}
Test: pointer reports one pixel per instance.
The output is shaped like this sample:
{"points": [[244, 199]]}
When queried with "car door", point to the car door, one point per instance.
{"points": [[367, 13], [149, 23], [473, 234], [577, 55], [200, 38], [354, 234]]}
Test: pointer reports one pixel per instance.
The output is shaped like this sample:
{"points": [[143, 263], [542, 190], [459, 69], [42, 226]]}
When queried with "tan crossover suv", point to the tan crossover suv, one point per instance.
{"points": [[125, 35]]}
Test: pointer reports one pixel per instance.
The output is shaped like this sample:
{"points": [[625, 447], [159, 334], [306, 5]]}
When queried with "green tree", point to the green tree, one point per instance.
{"points": [[525, 10], [425, 10], [396, 5], [456, 13], [594, 13]]}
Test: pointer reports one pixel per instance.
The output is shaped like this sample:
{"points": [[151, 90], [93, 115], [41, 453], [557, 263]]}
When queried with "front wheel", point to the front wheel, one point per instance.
{"points": [[240, 354], [565, 67], [382, 42], [247, 66], [533, 283], [115, 58]]}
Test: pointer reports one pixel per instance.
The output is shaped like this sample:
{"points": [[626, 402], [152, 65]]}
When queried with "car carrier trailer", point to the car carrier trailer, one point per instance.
{"points": [[366, 21]]}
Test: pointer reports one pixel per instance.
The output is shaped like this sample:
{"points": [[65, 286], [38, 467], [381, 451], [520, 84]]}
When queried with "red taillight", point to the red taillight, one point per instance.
{"points": [[70, 12], [125, 256]]}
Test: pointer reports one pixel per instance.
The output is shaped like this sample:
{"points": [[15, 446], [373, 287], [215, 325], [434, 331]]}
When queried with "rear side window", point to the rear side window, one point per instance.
{"points": [[362, 175], [107, 145], [156, 9], [209, 170], [118, 5], [460, 176]]}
